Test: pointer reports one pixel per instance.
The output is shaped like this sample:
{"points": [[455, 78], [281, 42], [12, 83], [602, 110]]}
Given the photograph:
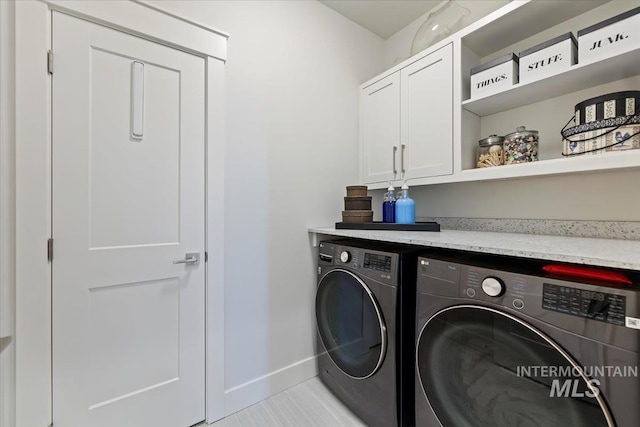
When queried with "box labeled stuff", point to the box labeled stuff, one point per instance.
{"points": [[494, 76], [610, 37], [546, 59], [606, 123]]}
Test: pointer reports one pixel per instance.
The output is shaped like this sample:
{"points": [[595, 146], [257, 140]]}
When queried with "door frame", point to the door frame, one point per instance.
{"points": [[33, 127]]}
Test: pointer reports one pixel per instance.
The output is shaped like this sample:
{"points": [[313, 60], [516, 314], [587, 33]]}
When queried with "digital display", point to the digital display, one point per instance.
{"points": [[377, 262], [593, 295], [600, 306]]}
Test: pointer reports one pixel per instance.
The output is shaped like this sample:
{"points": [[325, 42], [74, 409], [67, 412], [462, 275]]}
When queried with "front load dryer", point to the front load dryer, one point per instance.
{"points": [[365, 305], [498, 344]]}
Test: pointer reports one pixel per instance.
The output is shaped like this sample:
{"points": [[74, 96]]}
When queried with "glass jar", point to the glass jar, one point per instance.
{"points": [[521, 146], [444, 20], [490, 152]]}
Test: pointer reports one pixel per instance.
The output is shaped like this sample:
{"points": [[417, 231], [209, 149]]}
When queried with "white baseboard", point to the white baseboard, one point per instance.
{"points": [[249, 393]]}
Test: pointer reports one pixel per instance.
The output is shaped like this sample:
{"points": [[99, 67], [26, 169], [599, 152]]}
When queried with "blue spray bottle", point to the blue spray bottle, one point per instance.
{"points": [[389, 205], [405, 207]]}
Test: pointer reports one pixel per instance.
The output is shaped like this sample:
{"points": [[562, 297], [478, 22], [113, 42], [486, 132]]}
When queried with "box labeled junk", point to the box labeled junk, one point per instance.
{"points": [[494, 76], [611, 37], [546, 59]]}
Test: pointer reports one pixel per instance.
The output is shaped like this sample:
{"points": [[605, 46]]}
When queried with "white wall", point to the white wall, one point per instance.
{"points": [[292, 129], [7, 218]]}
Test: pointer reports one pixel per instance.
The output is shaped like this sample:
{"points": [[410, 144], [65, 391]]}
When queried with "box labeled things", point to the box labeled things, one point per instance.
{"points": [[546, 59], [611, 37], [494, 76]]}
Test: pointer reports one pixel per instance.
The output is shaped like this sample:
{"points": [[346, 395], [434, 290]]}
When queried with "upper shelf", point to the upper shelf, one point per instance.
{"points": [[579, 76], [527, 18]]}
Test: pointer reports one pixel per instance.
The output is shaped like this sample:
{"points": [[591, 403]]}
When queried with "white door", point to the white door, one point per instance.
{"points": [[427, 115], [380, 130], [128, 200]]}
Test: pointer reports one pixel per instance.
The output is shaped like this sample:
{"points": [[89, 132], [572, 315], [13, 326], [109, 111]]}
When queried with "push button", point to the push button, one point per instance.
{"points": [[518, 304]]}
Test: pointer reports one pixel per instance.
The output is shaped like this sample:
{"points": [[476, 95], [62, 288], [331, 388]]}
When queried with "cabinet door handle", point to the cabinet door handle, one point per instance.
{"points": [[395, 148], [402, 158]]}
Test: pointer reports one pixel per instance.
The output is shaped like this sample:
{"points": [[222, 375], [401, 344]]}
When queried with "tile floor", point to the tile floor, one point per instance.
{"points": [[308, 404]]}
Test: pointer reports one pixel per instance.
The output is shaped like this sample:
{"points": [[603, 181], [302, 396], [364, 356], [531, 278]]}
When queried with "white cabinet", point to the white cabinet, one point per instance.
{"points": [[406, 126], [439, 125], [426, 116], [380, 129]]}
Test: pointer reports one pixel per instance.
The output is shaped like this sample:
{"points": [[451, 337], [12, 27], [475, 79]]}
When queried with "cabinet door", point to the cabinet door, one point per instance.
{"points": [[380, 130], [427, 116]]}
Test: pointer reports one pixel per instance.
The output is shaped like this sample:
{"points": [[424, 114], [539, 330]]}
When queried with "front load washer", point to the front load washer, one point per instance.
{"points": [[365, 305], [500, 344]]}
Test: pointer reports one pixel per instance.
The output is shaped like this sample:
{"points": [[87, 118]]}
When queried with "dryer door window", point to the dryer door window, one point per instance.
{"points": [[482, 367], [350, 324]]}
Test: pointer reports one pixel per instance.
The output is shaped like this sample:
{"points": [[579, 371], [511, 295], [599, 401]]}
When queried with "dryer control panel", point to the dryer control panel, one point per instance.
{"points": [[601, 306]]}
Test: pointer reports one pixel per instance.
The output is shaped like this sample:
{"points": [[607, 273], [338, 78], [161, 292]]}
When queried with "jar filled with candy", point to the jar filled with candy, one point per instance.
{"points": [[521, 146]]}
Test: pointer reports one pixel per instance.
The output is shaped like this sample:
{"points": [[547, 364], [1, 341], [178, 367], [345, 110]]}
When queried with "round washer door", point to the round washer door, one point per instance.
{"points": [[482, 367], [350, 324]]}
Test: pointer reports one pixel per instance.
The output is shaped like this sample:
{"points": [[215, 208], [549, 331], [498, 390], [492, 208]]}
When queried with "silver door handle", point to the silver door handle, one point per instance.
{"points": [[395, 148], [190, 258], [402, 158]]}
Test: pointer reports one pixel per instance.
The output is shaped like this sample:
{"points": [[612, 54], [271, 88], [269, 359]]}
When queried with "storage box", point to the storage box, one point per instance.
{"points": [[546, 59], [609, 38], [357, 203], [494, 76], [606, 123]]}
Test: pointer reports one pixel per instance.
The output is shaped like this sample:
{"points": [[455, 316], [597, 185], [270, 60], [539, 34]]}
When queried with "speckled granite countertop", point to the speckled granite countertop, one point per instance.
{"points": [[579, 250]]}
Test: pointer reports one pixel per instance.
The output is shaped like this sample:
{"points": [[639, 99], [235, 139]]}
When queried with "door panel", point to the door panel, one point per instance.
{"points": [[148, 202], [380, 129], [128, 323], [139, 358], [427, 115]]}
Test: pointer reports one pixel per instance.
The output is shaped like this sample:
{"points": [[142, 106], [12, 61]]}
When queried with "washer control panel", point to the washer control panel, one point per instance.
{"points": [[377, 262], [601, 306], [379, 265]]}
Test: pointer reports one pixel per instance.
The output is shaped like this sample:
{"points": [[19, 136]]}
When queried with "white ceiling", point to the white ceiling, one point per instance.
{"points": [[382, 17]]}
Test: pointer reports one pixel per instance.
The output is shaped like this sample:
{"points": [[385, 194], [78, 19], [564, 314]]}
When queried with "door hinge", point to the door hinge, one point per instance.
{"points": [[50, 62], [50, 250], [206, 256]]}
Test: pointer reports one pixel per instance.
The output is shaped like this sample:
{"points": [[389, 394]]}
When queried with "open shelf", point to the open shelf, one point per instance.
{"points": [[590, 163], [578, 77], [528, 18], [584, 163]]}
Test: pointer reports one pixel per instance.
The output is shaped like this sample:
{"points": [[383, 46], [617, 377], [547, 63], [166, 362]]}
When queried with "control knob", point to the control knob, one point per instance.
{"points": [[345, 256], [493, 286]]}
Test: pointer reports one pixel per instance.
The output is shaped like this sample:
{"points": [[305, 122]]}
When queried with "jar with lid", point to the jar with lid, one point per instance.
{"points": [[521, 146], [490, 152]]}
